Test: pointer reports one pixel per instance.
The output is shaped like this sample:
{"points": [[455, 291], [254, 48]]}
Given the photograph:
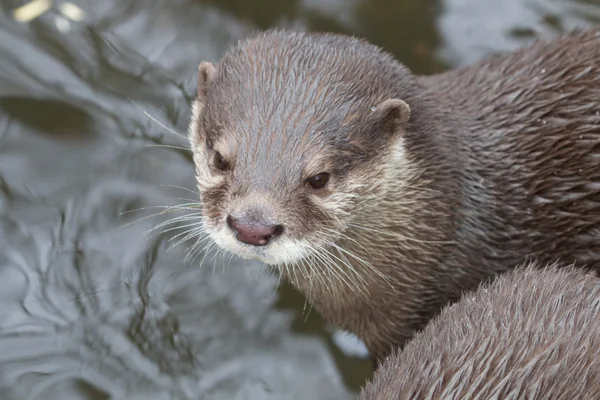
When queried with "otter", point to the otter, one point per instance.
{"points": [[533, 333], [383, 195]]}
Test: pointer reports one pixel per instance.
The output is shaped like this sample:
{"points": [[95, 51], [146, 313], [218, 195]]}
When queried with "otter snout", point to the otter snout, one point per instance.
{"points": [[255, 233]]}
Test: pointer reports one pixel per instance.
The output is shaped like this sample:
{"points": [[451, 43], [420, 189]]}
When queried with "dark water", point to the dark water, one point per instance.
{"points": [[90, 306]]}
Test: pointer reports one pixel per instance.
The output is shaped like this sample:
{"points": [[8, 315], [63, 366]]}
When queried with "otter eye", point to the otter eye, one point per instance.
{"points": [[220, 162], [318, 181]]}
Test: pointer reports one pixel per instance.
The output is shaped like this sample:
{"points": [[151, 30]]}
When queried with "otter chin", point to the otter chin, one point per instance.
{"points": [[383, 195]]}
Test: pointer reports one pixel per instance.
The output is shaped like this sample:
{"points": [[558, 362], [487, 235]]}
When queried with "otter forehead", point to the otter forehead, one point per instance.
{"points": [[277, 71], [280, 100]]}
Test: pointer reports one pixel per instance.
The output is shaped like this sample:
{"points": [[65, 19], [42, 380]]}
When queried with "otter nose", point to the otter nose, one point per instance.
{"points": [[254, 233]]}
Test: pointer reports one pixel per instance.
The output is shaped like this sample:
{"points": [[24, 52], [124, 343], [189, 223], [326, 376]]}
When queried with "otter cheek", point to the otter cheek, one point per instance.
{"points": [[213, 202]]}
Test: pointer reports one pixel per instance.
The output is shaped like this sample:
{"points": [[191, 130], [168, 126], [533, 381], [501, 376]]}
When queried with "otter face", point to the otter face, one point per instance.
{"points": [[285, 133]]}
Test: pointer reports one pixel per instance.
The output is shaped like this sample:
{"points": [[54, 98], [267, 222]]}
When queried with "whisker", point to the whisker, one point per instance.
{"points": [[310, 276], [199, 250], [166, 209], [146, 217], [181, 218], [192, 201], [195, 230], [322, 274], [342, 235], [167, 146], [182, 188], [195, 223], [151, 207], [279, 279], [330, 275], [157, 121], [351, 271], [337, 270], [192, 250], [365, 263], [194, 233]]}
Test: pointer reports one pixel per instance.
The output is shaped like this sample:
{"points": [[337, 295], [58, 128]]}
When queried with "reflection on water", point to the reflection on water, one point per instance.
{"points": [[90, 307], [472, 29]]}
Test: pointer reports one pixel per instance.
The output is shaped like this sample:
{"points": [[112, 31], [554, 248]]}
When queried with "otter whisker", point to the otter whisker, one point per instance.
{"points": [[231, 255], [167, 209], [181, 218], [310, 289], [195, 231], [290, 273], [192, 201], [199, 250], [196, 249], [330, 273], [187, 220], [284, 266], [186, 229], [176, 207], [348, 263], [167, 146], [299, 264], [191, 233], [305, 273], [194, 204], [295, 273], [330, 256], [200, 240], [195, 223], [157, 121], [219, 255], [365, 263], [148, 208], [214, 256], [166, 231], [321, 275], [279, 278], [182, 188], [344, 236], [326, 268], [349, 267], [246, 273]]}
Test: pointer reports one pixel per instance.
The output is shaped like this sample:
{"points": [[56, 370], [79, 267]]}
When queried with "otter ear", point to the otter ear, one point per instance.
{"points": [[206, 73], [393, 114]]}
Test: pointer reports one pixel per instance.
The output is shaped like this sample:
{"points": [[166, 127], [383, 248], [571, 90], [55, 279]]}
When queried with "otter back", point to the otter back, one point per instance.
{"points": [[530, 334]]}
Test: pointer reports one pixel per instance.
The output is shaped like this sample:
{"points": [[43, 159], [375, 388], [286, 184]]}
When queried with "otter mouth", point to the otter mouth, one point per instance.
{"points": [[229, 242], [249, 252], [276, 252]]}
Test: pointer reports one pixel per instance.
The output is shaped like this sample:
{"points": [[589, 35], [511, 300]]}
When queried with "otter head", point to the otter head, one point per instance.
{"points": [[288, 134]]}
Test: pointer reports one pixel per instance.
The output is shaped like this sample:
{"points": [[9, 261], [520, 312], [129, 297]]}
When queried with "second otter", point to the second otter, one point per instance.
{"points": [[383, 195], [532, 334]]}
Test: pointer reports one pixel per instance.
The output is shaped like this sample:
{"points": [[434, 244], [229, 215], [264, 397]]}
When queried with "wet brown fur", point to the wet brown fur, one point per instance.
{"points": [[499, 163], [532, 334]]}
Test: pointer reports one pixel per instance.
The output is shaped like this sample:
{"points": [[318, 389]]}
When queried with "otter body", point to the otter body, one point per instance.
{"points": [[532, 334], [383, 195]]}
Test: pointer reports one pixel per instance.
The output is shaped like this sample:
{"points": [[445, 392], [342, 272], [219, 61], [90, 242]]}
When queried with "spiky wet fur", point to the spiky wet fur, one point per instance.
{"points": [[499, 163], [532, 334]]}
